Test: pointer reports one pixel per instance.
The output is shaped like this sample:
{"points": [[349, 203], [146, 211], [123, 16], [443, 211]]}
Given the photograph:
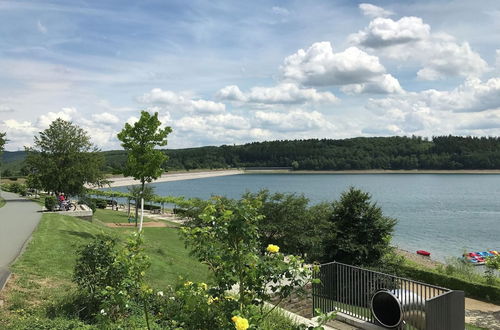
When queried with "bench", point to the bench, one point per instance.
{"points": [[155, 211]]}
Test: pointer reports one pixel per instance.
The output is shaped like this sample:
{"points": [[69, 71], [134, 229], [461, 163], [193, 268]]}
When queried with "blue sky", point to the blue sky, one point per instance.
{"points": [[231, 72]]}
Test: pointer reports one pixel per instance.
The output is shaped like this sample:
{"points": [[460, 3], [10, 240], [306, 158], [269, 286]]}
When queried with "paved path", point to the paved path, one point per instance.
{"points": [[18, 218]]}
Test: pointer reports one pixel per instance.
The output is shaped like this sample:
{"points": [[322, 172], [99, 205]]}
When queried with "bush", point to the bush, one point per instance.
{"points": [[100, 203], [472, 290], [50, 202], [16, 188], [89, 202]]}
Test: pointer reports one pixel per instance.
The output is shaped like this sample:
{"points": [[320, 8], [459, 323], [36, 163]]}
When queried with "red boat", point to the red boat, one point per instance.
{"points": [[423, 253]]}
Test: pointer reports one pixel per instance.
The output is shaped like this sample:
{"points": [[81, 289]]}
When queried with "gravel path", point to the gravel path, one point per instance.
{"points": [[18, 218]]}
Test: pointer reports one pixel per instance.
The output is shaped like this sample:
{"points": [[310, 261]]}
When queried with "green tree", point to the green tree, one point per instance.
{"points": [[63, 159], [144, 162], [138, 192], [360, 234], [3, 140], [289, 222]]}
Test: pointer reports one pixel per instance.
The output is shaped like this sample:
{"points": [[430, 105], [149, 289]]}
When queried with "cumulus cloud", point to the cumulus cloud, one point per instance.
{"points": [[472, 106], [385, 84], [284, 93], [374, 11], [320, 66], [384, 32], [383, 130], [184, 102], [409, 38], [292, 121], [45, 120], [105, 118], [471, 96]]}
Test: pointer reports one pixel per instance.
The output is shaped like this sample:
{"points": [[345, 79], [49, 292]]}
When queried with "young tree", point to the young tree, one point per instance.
{"points": [[140, 140], [63, 159], [360, 234]]}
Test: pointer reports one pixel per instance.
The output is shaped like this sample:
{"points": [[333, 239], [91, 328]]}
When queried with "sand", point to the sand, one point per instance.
{"points": [[168, 177]]}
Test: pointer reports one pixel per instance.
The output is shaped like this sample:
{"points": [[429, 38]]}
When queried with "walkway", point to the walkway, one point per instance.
{"points": [[18, 218]]}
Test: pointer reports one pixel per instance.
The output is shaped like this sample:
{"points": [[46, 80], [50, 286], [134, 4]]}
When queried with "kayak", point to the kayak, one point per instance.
{"points": [[423, 253]]}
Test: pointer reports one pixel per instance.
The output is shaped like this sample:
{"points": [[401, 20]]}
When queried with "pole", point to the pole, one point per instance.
{"points": [[142, 214]]}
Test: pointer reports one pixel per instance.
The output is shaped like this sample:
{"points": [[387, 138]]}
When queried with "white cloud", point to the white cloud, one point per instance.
{"points": [[374, 11], [471, 108], [159, 96], [471, 96], [385, 32], [204, 106], [409, 38], [280, 11], [320, 66], [45, 120], [180, 101], [42, 28], [284, 93], [293, 121], [5, 108], [385, 84], [132, 120], [105, 118], [231, 93]]}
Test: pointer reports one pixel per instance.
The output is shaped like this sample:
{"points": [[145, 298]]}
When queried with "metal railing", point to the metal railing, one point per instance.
{"points": [[380, 298]]}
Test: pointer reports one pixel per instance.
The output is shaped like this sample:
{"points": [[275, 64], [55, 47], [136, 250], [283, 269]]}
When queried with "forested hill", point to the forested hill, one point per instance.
{"points": [[444, 152]]}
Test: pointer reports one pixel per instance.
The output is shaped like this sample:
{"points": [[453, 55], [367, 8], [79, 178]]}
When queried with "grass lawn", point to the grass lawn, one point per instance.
{"points": [[110, 216], [43, 273], [2, 202]]}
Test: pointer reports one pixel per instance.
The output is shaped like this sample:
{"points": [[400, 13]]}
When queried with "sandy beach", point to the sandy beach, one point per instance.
{"points": [[167, 177]]}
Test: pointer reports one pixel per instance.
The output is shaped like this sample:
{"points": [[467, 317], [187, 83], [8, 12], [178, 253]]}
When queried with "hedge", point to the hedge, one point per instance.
{"points": [[479, 291]]}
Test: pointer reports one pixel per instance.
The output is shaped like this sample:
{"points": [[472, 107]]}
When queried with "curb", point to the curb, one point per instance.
{"points": [[4, 278]]}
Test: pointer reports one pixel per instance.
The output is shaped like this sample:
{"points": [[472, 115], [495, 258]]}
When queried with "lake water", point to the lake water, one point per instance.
{"points": [[445, 214]]}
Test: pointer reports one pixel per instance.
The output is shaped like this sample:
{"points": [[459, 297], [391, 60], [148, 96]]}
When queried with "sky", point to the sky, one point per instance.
{"points": [[233, 72]]}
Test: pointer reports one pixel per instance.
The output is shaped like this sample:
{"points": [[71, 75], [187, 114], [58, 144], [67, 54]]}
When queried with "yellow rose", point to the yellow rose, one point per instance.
{"points": [[271, 248], [188, 283], [204, 286], [240, 323]]}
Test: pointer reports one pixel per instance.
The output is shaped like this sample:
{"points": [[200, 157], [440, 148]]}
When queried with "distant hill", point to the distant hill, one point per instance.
{"points": [[362, 153]]}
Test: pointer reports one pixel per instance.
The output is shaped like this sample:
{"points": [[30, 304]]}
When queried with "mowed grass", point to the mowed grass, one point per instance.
{"points": [[53, 249], [2, 202], [110, 216], [43, 274]]}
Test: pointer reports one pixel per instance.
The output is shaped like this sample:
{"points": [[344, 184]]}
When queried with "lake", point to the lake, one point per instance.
{"points": [[445, 214]]}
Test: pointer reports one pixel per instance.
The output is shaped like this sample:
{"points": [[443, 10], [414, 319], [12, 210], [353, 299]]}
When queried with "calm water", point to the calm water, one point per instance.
{"points": [[442, 213]]}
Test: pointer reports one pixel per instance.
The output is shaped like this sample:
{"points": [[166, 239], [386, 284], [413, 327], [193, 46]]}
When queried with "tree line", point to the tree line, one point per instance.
{"points": [[362, 153]]}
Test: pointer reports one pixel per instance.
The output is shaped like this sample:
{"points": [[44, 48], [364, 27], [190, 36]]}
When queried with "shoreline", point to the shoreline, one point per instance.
{"points": [[271, 171], [169, 177]]}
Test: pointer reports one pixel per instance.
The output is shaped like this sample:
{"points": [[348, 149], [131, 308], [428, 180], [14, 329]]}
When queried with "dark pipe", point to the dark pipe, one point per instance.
{"points": [[387, 309]]}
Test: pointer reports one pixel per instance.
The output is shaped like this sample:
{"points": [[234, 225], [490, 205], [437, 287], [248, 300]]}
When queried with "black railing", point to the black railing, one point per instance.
{"points": [[385, 300]]}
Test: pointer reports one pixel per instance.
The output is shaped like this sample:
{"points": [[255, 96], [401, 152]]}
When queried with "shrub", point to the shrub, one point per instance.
{"points": [[473, 290], [100, 203], [50, 202], [227, 240], [112, 277], [89, 202]]}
